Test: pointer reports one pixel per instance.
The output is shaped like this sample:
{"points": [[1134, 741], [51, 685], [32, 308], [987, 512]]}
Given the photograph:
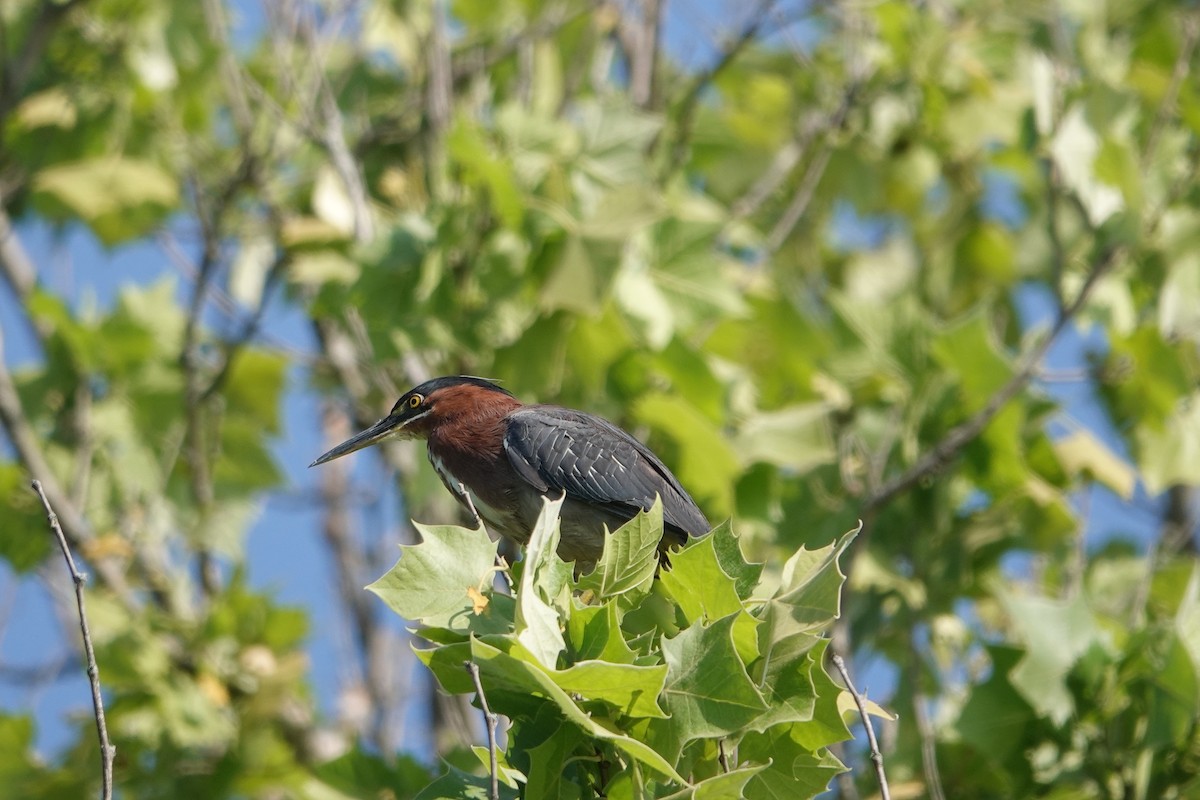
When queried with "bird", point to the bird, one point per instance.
{"points": [[500, 458]]}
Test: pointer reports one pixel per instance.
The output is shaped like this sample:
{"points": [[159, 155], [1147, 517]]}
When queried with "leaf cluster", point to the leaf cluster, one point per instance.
{"points": [[702, 680]]}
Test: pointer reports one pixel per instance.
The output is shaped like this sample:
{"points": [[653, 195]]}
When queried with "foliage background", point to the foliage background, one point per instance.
{"points": [[934, 266]]}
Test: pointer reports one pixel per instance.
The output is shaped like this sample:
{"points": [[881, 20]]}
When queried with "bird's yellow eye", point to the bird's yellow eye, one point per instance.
{"points": [[415, 401]]}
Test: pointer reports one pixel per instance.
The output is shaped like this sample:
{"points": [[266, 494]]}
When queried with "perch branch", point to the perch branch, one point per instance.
{"points": [[876, 755], [490, 719], [107, 751]]}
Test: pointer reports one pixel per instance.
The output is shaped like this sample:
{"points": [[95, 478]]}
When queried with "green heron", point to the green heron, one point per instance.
{"points": [[507, 456]]}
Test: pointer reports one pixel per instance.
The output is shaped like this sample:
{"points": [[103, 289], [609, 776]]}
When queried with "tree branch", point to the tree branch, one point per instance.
{"points": [[812, 175], [690, 99], [962, 435], [490, 719], [370, 638], [107, 751], [876, 755]]}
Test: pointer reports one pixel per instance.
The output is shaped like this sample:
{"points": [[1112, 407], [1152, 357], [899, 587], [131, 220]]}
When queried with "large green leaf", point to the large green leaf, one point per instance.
{"points": [[708, 691], [430, 583], [520, 681], [626, 568], [538, 627]]}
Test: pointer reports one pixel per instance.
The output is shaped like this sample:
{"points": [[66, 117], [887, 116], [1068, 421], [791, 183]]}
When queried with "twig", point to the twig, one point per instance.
{"points": [[812, 175], [690, 98], [107, 751], [876, 755], [962, 435], [490, 719], [933, 778]]}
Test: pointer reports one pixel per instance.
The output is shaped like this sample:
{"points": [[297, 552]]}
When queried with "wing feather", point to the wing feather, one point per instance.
{"points": [[557, 449]]}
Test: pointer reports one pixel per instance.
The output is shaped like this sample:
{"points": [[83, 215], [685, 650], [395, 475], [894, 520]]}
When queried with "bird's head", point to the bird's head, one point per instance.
{"points": [[423, 409]]}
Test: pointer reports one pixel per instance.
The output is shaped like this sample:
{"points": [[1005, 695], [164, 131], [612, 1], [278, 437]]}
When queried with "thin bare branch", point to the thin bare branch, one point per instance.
{"points": [[812, 175], [349, 565], [645, 40], [490, 719], [685, 113], [107, 751], [929, 764], [959, 437], [860, 701]]}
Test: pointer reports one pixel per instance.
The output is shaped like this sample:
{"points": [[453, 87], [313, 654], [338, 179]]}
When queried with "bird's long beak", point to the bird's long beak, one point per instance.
{"points": [[386, 428]]}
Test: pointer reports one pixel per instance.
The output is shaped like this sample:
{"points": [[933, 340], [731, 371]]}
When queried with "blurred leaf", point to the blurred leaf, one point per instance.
{"points": [[118, 197], [25, 537], [1055, 634], [1172, 455], [459, 785], [1082, 452]]}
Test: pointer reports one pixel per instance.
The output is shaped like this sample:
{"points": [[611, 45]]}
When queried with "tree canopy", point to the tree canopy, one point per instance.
{"points": [[934, 267]]}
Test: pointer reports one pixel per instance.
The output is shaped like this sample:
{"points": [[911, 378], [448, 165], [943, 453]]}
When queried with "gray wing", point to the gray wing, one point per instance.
{"points": [[557, 449]]}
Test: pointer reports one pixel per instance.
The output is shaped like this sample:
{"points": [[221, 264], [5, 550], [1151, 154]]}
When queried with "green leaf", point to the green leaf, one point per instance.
{"points": [[459, 785], [594, 632], [626, 568], [1056, 633], [537, 624], [549, 774], [518, 684], [809, 595], [429, 583], [729, 555], [708, 691], [827, 726], [700, 586], [705, 593], [726, 786], [784, 674], [118, 197], [794, 771], [632, 690]]}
